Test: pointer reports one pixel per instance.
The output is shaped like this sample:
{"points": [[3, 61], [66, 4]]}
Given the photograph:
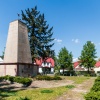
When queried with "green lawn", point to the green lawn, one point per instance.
{"points": [[36, 94], [76, 79], [43, 93]]}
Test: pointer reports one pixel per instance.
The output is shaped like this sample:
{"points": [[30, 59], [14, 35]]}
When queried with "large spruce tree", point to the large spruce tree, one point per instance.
{"points": [[40, 35], [88, 55], [65, 59]]}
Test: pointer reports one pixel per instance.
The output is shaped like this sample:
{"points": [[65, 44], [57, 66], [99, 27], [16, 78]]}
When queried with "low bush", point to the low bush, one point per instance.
{"points": [[1, 78], [6, 77], [11, 79], [18, 79], [24, 81], [94, 93], [96, 87], [98, 79], [57, 78], [45, 77], [25, 98], [92, 96]]}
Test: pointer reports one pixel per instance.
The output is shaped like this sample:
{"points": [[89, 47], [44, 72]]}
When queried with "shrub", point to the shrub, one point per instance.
{"points": [[57, 78], [18, 79], [92, 96], [11, 79], [45, 77], [25, 98], [98, 79], [96, 87], [1, 78], [6, 77], [24, 81]]}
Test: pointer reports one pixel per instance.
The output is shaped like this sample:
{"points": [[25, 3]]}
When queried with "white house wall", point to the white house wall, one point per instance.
{"points": [[96, 69], [40, 70]]}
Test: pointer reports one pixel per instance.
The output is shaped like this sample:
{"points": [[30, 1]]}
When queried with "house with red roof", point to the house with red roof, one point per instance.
{"points": [[78, 67], [45, 65], [97, 67]]}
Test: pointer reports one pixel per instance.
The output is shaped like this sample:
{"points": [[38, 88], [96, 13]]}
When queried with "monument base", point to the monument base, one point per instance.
{"points": [[18, 69]]}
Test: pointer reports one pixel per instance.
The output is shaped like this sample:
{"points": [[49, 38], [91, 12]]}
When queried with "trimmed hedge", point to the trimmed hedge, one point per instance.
{"points": [[94, 93], [96, 87], [1, 78], [22, 80], [93, 96], [45, 77]]}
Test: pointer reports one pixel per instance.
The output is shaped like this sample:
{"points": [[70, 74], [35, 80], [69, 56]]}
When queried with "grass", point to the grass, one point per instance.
{"points": [[39, 94], [76, 79], [44, 93], [70, 86]]}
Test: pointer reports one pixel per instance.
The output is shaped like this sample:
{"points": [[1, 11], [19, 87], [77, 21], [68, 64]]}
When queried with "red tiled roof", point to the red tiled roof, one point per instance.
{"points": [[38, 62], [48, 60], [76, 64], [97, 64]]}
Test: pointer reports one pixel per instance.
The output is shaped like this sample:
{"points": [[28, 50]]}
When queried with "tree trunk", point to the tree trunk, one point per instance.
{"points": [[88, 71], [63, 71]]}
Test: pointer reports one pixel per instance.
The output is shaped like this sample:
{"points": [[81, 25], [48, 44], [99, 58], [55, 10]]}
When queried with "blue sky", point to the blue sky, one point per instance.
{"points": [[75, 21]]}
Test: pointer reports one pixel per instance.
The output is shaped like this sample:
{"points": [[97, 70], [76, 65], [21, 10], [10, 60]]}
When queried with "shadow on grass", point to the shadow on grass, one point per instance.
{"points": [[8, 91]]}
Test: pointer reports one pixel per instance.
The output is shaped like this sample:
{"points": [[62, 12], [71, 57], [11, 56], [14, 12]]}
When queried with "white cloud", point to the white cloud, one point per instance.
{"points": [[97, 44], [59, 41], [92, 42], [75, 40], [75, 59]]}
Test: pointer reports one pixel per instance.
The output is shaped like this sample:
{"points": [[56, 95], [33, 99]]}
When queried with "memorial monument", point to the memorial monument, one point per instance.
{"points": [[17, 58]]}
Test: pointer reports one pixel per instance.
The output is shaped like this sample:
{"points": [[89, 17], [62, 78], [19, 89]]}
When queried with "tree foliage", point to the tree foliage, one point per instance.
{"points": [[65, 59], [40, 35], [2, 56], [88, 55]]}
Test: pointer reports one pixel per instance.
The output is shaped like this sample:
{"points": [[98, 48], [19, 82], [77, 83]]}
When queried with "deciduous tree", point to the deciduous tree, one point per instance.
{"points": [[88, 55], [65, 59]]}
